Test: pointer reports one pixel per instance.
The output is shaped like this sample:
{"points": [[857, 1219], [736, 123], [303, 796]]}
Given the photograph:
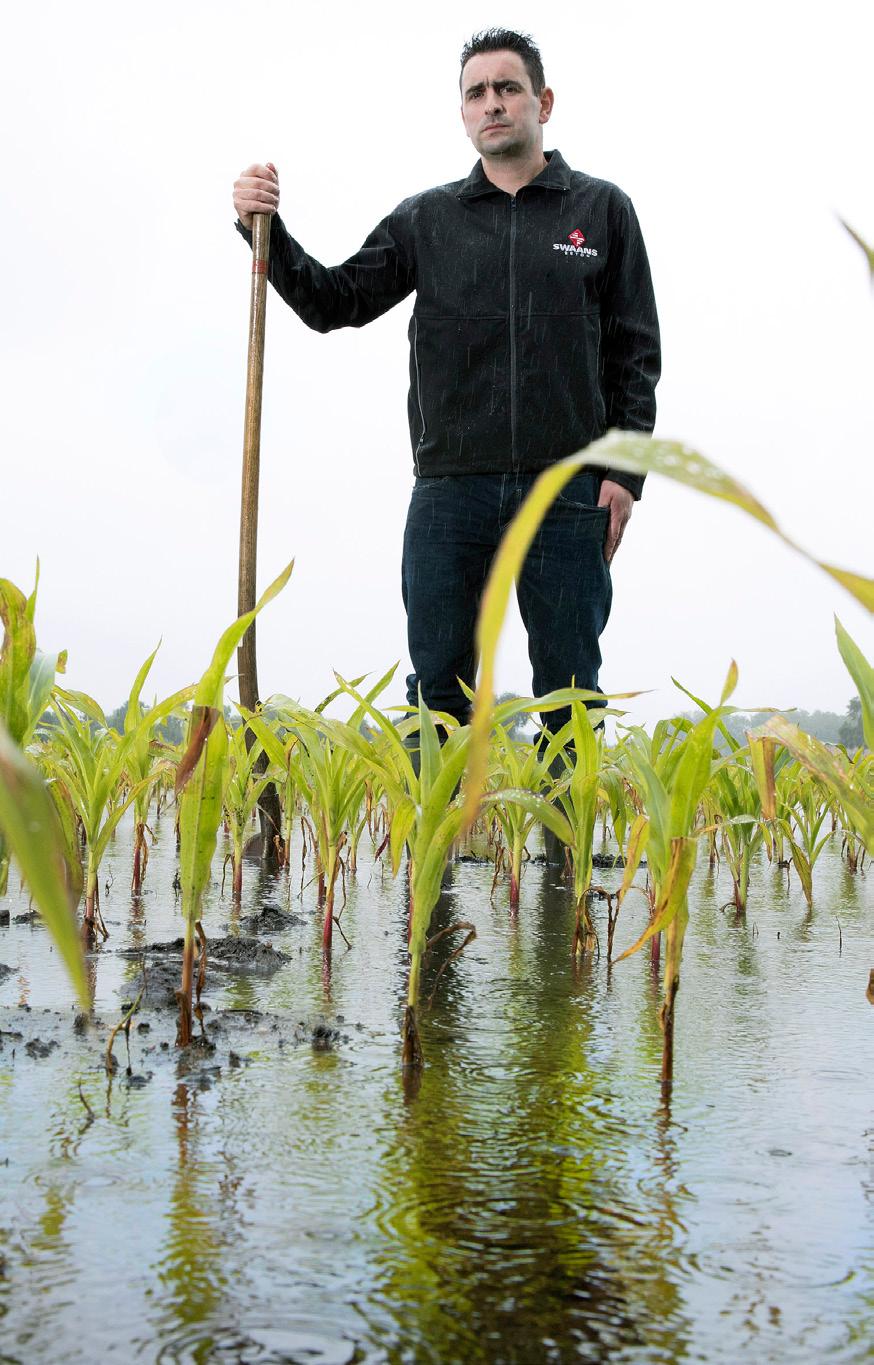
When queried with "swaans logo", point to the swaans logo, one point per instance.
{"points": [[576, 247]]}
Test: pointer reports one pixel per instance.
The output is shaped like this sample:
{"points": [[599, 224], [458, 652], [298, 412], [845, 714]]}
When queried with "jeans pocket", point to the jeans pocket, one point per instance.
{"points": [[581, 492], [431, 480]]}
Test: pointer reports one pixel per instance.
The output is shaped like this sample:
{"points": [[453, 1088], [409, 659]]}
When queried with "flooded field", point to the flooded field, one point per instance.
{"points": [[277, 1196]]}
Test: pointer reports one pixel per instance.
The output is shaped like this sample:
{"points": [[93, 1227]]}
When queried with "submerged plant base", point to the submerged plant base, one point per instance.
{"points": [[413, 1057], [666, 1019]]}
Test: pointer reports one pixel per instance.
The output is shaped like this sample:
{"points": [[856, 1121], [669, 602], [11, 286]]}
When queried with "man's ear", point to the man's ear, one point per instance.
{"points": [[547, 100]]}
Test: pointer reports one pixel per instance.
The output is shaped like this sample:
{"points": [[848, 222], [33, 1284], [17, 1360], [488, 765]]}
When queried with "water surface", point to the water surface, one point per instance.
{"points": [[535, 1201]]}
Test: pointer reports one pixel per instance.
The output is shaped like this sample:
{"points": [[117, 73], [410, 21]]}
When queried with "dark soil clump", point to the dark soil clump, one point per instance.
{"points": [[37, 1048], [163, 967], [246, 954], [271, 921]]}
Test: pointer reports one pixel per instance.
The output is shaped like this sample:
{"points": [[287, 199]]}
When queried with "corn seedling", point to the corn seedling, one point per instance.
{"points": [[142, 767], [672, 804], [89, 762], [520, 766], [242, 794], [31, 829], [578, 798], [26, 677], [200, 783]]}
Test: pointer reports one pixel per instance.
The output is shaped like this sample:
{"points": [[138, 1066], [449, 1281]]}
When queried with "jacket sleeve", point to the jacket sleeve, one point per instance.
{"points": [[630, 351], [377, 277]]}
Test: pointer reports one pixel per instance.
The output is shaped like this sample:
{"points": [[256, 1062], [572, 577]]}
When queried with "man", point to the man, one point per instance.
{"points": [[534, 330]]}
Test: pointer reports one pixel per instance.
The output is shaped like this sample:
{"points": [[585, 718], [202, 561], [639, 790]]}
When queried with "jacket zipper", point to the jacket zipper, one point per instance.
{"points": [[513, 330], [418, 391]]}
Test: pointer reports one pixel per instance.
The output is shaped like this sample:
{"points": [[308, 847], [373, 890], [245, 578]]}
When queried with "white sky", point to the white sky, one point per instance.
{"points": [[740, 132]]}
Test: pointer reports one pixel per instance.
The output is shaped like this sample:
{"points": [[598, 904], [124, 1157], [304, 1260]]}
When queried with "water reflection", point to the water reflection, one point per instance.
{"points": [[513, 1223], [201, 1226]]}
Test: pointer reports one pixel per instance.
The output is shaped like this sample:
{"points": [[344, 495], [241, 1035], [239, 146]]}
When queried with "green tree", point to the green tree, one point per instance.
{"points": [[851, 727]]}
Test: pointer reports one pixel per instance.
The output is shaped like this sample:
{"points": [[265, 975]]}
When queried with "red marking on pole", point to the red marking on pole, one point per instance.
{"points": [[259, 267]]}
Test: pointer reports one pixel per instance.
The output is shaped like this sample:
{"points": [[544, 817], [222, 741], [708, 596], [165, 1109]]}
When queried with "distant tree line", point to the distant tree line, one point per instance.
{"points": [[827, 726]]}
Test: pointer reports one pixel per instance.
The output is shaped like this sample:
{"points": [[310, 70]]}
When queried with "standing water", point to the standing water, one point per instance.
{"points": [[277, 1195]]}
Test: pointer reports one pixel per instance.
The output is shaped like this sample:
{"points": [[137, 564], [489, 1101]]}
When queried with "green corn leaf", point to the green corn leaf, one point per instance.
{"points": [[16, 656], [829, 767], [554, 701], [429, 751], [203, 769], [493, 608], [402, 821], [202, 772], [30, 826], [433, 806], [762, 750], [695, 766], [41, 680], [211, 684], [863, 676], [66, 813], [638, 454], [637, 839], [31, 601], [80, 701], [672, 901], [394, 734], [427, 879], [534, 805], [860, 241], [132, 715]]}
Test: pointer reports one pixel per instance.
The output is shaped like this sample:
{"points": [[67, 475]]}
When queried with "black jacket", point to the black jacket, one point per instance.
{"points": [[534, 327]]}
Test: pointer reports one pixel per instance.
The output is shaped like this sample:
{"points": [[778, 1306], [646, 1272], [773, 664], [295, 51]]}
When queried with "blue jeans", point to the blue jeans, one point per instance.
{"points": [[454, 526]]}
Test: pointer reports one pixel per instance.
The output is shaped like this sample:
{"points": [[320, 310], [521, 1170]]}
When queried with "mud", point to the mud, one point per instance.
{"points": [[228, 1038], [271, 921], [161, 968]]}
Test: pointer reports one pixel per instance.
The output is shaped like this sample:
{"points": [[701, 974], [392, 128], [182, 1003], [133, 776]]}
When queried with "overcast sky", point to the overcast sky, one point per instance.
{"points": [[740, 132]]}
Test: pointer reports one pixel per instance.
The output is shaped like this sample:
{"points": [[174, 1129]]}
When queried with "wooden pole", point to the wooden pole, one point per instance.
{"points": [[246, 596]]}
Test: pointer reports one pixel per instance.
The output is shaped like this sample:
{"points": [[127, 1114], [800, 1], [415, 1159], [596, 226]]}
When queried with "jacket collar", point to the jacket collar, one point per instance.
{"points": [[554, 176]]}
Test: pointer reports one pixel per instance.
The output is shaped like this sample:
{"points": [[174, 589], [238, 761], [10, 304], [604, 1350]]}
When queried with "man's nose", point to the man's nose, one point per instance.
{"points": [[494, 103]]}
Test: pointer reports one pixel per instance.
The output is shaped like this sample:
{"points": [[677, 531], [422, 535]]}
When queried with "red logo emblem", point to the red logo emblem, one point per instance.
{"points": [[576, 238]]}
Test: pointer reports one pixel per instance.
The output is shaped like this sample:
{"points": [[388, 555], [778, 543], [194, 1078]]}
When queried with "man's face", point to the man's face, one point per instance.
{"points": [[502, 115]]}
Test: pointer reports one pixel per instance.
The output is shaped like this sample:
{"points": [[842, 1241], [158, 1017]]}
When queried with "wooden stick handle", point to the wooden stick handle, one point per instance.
{"points": [[246, 597]]}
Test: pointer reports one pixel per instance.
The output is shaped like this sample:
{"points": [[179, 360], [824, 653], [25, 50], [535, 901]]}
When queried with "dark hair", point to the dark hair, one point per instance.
{"points": [[507, 40]]}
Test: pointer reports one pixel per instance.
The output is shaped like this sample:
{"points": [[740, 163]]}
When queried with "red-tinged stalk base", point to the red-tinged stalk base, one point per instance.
{"points": [[137, 878], [585, 939], [93, 920], [412, 1057], [183, 995], [667, 1023]]}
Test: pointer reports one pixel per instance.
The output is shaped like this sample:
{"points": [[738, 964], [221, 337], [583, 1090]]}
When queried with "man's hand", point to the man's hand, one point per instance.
{"points": [[620, 502], [256, 191]]}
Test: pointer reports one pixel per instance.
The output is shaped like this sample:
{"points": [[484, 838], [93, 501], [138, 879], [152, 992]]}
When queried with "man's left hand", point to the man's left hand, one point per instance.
{"points": [[620, 503]]}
